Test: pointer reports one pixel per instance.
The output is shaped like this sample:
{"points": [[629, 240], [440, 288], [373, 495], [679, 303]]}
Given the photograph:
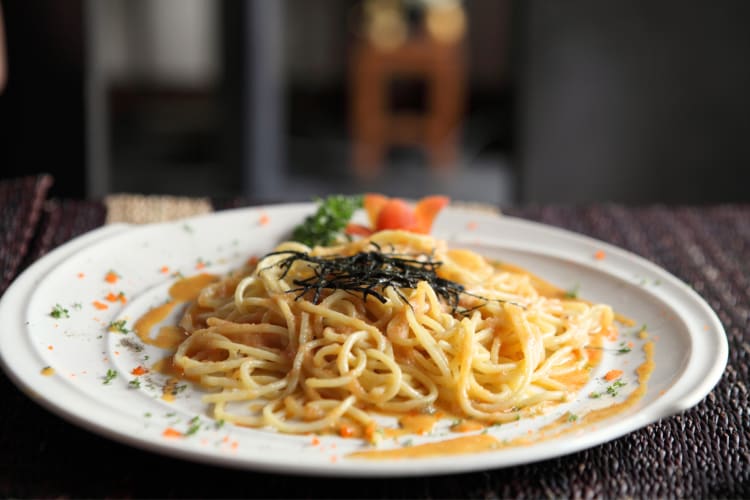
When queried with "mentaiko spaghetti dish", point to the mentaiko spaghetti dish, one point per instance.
{"points": [[310, 339]]}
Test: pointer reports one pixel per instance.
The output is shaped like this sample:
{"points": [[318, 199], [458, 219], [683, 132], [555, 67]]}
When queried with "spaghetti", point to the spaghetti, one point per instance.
{"points": [[283, 344]]}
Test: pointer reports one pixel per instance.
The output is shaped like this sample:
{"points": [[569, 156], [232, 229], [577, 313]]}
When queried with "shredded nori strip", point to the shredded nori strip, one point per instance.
{"points": [[369, 273]]}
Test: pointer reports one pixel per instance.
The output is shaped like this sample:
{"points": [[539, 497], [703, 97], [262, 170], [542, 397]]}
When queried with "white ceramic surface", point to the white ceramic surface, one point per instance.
{"points": [[690, 344]]}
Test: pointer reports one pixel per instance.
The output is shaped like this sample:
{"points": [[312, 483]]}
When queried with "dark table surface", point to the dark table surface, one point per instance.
{"points": [[704, 452]]}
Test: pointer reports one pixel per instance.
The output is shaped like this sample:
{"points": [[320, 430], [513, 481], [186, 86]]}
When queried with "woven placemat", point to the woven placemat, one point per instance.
{"points": [[61, 221], [141, 209], [21, 203]]}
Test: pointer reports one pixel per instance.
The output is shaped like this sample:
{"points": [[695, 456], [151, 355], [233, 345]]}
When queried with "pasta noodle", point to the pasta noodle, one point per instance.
{"points": [[274, 352]]}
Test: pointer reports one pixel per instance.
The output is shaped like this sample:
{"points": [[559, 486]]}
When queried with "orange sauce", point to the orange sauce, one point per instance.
{"points": [[417, 423], [169, 337], [476, 443], [188, 289], [148, 321], [468, 426]]}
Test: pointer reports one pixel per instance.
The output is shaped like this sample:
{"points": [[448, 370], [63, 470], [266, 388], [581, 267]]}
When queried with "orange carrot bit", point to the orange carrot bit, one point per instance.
{"points": [[121, 297], [370, 431], [164, 270], [346, 431], [51, 347], [612, 375], [111, 297], [111, 277], [100, 305], [264, 219], [612, 333], [315, 441], [139, 370], [171, 433], [427, 209], [600, 255], [81, 276], [200, 264]]}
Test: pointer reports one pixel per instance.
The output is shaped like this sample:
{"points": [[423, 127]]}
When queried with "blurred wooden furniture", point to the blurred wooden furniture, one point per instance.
{"points": [[376, 126]]}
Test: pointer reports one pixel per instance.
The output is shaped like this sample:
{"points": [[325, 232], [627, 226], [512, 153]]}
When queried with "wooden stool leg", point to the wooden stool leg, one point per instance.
{"points": [[446, 96], [369, 106]]}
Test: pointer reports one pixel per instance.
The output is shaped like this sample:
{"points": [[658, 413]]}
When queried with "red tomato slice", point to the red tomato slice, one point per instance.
{"points": [[373, 204], [396, 214], [357, 230]]}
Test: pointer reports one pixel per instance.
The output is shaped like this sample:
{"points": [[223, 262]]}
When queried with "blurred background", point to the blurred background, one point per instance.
{"points": [[493, 101]]}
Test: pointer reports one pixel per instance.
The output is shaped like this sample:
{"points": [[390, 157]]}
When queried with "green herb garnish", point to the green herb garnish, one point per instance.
{"points": [[59, 312], [134, 384], [573, 292], [325, 226], [613, 389], [117, 326], [195, 425], [109, 377]]}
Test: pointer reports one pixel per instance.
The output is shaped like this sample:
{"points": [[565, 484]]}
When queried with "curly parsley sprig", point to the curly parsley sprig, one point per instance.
{"points": [[327, 224]]}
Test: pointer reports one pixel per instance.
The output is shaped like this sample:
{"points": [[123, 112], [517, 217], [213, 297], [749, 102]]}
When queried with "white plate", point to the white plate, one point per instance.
{"points": [[690, 344]]}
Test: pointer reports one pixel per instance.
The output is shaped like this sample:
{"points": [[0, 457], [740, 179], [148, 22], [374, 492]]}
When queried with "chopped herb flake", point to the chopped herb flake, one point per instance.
{"points": [[613, 390], [134, 384], [59, 312], [195, 425], [573, 292], [110, 376], [117, 326]]}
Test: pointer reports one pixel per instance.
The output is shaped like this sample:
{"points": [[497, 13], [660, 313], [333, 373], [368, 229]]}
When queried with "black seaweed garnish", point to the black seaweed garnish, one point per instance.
{"points": [[369, 273]]}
